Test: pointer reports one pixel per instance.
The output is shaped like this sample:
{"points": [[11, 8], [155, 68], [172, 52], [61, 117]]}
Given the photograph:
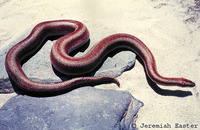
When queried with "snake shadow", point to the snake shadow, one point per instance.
{"points": [[163, 92], [154, 86]]}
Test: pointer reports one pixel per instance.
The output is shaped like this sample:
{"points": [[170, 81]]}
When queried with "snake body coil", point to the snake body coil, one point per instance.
{"points": [[75, 35]]}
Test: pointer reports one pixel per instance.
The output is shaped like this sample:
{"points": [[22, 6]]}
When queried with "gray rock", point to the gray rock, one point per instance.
{"points": [[39, 66], [6, 86], [84, 108]]}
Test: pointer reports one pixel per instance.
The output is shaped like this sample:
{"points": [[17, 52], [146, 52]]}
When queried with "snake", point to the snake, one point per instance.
{"points": [[74, 35]]}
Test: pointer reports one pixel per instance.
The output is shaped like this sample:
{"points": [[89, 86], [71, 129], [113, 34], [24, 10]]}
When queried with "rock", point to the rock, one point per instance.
{"points": [[84, 108], [5, 86], [39, 66]]}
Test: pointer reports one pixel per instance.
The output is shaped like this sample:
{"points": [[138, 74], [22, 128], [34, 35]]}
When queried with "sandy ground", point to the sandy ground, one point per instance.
{"points": [[171, 29]]}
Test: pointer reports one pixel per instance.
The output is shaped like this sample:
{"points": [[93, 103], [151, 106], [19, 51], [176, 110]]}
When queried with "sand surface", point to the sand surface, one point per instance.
{"points": [[171, 29]]}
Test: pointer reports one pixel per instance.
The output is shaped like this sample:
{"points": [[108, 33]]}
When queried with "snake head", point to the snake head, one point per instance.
{"points": [[187, 83]]}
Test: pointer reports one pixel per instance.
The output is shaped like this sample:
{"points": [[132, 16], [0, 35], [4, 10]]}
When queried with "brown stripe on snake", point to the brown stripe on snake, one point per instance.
{"points": [[75, 35]]}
